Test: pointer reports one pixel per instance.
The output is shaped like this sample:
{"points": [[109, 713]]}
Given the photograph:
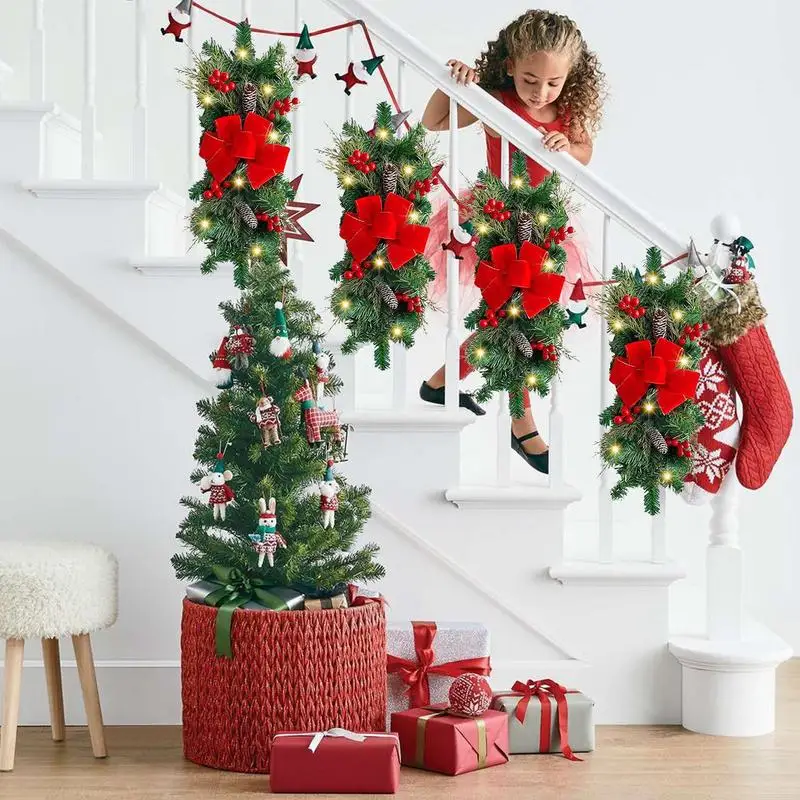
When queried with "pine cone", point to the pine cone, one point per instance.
{"points": [[249, 98], [659, 324], [247, 215], [524, 227], [387, 295], [521, 343], [657, 440], [389, 178]]}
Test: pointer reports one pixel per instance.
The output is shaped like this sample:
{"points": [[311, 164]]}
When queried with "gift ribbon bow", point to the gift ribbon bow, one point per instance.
{"points": [[236, 590], [543, 690], [415, 673], [507, 271], [249, 142], [386, 220], [643, 367], [356, 599]]}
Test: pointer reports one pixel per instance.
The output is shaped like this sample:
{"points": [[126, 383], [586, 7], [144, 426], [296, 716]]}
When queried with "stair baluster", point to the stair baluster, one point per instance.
{"points": [[452, 342], [606, 530], [294, 248], [140, 108], [37, 67], [89, 121], [503, 412]]}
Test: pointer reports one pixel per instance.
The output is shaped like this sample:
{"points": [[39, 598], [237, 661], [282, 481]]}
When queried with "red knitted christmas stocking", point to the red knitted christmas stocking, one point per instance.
{"points": [[746, 351]]}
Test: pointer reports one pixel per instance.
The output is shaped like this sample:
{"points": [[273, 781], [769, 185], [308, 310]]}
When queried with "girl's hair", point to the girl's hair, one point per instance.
{"points": [[581, 99]]}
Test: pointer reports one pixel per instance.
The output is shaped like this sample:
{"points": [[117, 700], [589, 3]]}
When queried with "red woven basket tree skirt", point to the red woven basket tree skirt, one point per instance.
{"points": [[290, 671]]}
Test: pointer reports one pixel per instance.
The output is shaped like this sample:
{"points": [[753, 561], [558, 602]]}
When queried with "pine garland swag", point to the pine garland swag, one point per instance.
{"points": [[358, 298]]}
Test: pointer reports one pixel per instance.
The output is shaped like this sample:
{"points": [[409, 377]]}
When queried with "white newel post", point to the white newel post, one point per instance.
{"points": [[400, 352], [606, 538], [503, 412], [140, 107], [37, 76], [89, 121], [452, 342], [294, 251]]}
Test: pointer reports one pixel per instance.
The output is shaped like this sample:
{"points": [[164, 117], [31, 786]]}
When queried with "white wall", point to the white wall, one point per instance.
{"points": [[695, 87]]}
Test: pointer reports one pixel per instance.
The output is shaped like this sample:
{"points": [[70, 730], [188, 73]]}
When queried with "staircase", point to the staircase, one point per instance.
{"points": [[569, 587]]}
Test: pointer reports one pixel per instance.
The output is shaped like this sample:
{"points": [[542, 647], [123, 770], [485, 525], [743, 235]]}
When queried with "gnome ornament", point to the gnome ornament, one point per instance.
{"points": [[462, 239], [221, 365], [321, 364], [741, 265], [184, 20], [280, 346], [329, 497], [358, 73], [266, 540], [305, 55], [267, 417], [216, 484], [576, 306]]}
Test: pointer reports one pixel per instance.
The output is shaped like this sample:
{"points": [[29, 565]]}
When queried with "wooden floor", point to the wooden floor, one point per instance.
{"points": [[640, 763]]}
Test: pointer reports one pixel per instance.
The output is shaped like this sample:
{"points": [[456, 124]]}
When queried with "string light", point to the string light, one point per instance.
{"points": [[408, 169], [652, 278], [397, 331], [414, 216], [649, 407], [205, 224], [378, 262], [238, 182], [684, 361], [677, 315], [548, 264], [480, 352], [531, 380], [273, 135], [382, 133], [483, 228], [344, 305], [617, 325], [256, 250], [242, 53], [666, 476], [267, 89], [513, 311], [347, 180], [543, 218], [615, 449], [207, 100], [516, 182]]}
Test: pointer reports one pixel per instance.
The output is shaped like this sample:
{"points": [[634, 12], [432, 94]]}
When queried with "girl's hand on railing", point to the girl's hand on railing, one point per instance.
{"points": [[555, 141], [461, 72]]}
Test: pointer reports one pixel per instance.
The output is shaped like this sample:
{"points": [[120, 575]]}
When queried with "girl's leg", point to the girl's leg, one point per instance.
{"points": [[436, 381], [525, 425]]}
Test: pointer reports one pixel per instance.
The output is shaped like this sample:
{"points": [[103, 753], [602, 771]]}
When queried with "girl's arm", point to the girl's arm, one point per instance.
{"points": [[580, 149], [437, 112]]}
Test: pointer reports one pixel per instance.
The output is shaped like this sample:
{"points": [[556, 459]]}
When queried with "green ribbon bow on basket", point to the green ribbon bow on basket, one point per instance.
{"points": [[236, 590]]}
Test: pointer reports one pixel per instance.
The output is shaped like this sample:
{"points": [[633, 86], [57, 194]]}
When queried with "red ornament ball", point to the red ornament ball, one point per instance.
{"points": [[483, 323], [470, 695]]}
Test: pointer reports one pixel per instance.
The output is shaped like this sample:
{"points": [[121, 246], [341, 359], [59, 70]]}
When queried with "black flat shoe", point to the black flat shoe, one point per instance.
{"points": [[465, 400], [539, 461]]}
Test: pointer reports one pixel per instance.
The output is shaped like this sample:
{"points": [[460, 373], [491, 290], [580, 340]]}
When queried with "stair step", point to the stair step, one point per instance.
{"points": [[176, 267], [79, 189], [515, 496], [413, 419], [618, 573]]}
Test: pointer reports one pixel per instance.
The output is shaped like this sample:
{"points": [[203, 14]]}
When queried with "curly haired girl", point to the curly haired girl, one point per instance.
{"points": [[541, 68]]}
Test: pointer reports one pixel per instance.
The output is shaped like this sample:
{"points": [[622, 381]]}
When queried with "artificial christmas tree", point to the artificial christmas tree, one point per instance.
{"points": [[247, 673]]}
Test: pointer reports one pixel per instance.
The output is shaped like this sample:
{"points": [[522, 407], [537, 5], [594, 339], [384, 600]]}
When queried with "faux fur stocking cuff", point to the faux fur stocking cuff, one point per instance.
{"points": [[728, 323]]}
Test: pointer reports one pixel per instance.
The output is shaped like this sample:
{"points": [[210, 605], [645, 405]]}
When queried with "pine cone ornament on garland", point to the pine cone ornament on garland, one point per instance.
{"points": [[387, 295], [521, 343], [657, 440], [660, 322], [247, 214], [524, 227], [249, 98], [389, 177]]}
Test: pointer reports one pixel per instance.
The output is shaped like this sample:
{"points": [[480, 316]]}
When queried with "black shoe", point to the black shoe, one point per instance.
{"points": [[539, 461], [430, 395]]}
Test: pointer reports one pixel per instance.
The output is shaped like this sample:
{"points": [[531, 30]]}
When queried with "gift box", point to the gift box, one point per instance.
{"points": [[317, 603], [544, 717], [424, 658], [198, 592], [432, 739], [336, 761]]}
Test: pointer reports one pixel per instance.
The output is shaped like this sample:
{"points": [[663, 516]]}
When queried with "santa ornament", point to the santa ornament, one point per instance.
{"points": [[280, 346], [215, 483], [266, 540], [358, 73], [576, 306], [462, 239], [267, 417], [305, 55], [329, 497], [179, 20], [222, 365], [470, 695]]}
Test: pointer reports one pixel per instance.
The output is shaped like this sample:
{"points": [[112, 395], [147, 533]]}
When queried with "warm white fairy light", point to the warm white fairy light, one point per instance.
{"points": [[207, 100], [347, 180], [548, 264], [413, 216], [267, 89], [479, 352], [516, 182], [397, 331], [617, 325], [238, 182], [345, 304], [378, 262], [256, 250], [543, 218], [684, 361], [677, 315], [242, 53], [666, 476], [615, 449], [532, 380], [483, 228], [652, 278], [273, 135], [513, 311], [205, 224], [649, 407], [382, 133], [408, 169]]}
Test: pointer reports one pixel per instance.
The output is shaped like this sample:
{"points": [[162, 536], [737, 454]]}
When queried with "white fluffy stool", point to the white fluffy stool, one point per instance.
{"points": [[49, 590]]}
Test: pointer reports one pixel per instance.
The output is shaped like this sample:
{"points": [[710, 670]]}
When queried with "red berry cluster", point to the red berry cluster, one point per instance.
{"points": [[496, 209], [421, 188], [625, 416], [549, 352], [490, 319], [557, 236], [630, 305], [216, 189], [221, 81], [413, 304], [692, 332], [356, 272], [683, 449], [282, 106], [360, 160], [273, 222]]}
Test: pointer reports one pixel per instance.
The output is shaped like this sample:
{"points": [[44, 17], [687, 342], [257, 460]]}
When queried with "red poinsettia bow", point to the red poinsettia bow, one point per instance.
{"points": [[375, 220], [506, 271], [642, 367], [250, 142], [415, 673]]}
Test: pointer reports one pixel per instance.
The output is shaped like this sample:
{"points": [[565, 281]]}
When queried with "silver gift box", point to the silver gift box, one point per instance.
{"points": [[454, 641], [198, 591], [526, 738]]}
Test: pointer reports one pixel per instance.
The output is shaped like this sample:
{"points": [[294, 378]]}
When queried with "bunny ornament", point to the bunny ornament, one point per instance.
{"points": [[266, 540]]}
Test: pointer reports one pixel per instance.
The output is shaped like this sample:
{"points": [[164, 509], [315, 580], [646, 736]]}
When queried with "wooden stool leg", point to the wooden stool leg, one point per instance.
{"points": [[55, 694], [13, 681], [91, 697]]}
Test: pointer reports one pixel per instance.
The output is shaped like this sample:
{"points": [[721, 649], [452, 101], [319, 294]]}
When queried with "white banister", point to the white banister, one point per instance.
{"points": [[724, 566], [452, 341], [400, 352], [247, 10], [508, 124], [89, 119], [605, 548], [37, 68], [503, 412], [294, 251], [348, 57], [658, 530], [140, 106]]}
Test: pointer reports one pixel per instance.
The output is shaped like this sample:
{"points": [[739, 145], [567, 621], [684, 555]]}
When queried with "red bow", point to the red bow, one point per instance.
{"points": [[375, 220], [643, 368], [415, 673], [234, 142], [543, 690], [356, 599], [497, 279]]}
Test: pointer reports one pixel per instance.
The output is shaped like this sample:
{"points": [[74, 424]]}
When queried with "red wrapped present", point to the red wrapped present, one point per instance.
{"points": [[432, 739], [335, 762]]}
